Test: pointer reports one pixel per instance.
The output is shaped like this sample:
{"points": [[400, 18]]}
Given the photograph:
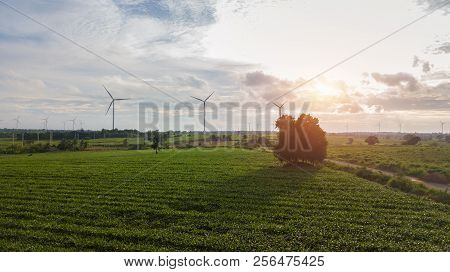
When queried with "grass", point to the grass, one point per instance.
{"points": [[204, 200], [420, 161]]}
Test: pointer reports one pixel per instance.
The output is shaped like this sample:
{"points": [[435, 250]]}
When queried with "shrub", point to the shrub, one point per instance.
{"points": [[405, 185], [372, 140], [373, 176], [436, 178], [412, 140]]}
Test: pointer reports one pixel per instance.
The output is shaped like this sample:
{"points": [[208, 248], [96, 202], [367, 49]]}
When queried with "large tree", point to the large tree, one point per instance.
{"points": [[300, 140]]}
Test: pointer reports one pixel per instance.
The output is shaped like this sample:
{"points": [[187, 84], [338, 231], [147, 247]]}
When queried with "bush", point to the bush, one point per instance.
{"points": [[372, 140], [407, 186], [373, 176], [413, 140], [436, 178]]}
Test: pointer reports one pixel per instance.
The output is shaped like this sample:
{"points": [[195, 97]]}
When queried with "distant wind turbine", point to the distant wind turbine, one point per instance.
{"points": [[73, 122], [45, 122], [280, 107], [17, 121], [442, 127], [112, 104], [204, 109]]}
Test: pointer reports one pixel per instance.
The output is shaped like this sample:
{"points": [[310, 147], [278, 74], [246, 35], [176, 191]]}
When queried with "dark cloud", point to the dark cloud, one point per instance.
{"points": [[416, 61], [425, 65], [404, 81], [267, 86], [258, 79], [430, 5], [428, 103], [432, 98], [442, 49]]}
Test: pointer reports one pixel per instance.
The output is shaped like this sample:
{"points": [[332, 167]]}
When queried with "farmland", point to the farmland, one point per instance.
{"points": [[422, 161], [204, 200]]}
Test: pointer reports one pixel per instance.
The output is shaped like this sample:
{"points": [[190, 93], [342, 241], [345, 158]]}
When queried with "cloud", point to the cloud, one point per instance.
{"points": [[433, 4], [438, 75], [404, 81], [259, 79], [443, 48], [425, 65], [350, 108], [187, 13], [268, 87], [428, 103]]}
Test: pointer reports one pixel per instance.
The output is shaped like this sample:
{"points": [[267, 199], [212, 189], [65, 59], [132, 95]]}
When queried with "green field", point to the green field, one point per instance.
{"points": [[420, 161], [204, 200]]}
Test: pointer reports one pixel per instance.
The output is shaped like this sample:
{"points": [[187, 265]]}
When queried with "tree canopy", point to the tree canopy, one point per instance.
{"points": [[300, 140]]}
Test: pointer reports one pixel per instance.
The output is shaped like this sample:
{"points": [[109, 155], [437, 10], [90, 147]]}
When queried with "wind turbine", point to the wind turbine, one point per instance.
{"points": [[17, 121], [45, 122], [280, 107], [64, 122], [204, 109], [113, 103], [442, 127], [73, 122]]}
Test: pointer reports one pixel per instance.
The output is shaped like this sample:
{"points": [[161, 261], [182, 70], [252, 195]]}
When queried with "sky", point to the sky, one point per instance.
{"points": [[248, 52]]}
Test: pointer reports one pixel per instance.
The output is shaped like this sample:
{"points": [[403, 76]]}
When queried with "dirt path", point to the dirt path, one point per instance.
{"points": [[391, 174]]}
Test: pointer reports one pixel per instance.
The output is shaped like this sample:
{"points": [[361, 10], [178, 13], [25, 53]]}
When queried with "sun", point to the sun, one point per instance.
{"points": [[324, 89]]}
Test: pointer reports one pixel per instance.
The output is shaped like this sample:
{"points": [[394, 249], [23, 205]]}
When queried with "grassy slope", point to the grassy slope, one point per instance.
{"points": [[215, 200]]}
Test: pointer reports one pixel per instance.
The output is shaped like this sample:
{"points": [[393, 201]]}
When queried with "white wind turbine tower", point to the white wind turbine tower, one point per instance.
{"points": [[73, 122], [64, 122], [17, 121], [442, 127], [280, 107], [45, 123], [204, 109], [113, 104], [81, 124]]}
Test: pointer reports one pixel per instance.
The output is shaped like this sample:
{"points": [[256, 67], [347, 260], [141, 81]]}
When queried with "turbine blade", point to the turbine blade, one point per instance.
{"points": [[118, 99], [197, 98], [108, 92], [282, 105], [276, 104], [209, 96], [109, 107]]}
